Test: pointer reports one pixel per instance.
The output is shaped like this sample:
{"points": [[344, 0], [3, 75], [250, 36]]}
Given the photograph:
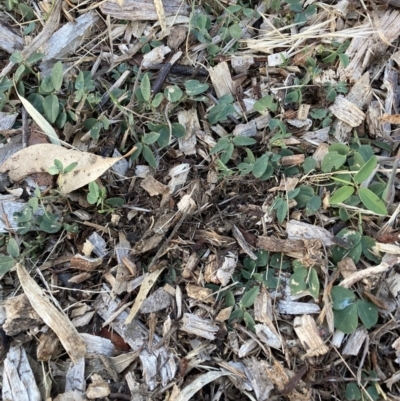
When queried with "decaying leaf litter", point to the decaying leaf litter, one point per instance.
{"points": [[198, 201]]}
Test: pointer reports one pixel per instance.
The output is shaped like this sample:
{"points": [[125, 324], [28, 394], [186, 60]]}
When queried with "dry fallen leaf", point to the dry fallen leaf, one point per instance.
{"points": [[39, 158]]}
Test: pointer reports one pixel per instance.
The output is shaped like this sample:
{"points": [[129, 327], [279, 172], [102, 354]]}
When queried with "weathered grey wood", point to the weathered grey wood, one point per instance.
{"points": [[136, 10], [9, 40]]}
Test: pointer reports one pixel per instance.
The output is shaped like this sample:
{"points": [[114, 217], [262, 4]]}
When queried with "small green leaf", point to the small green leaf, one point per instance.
{"points": [[355, 247], [341, 194], [309, 164], [61, 119], [58, 164], [227, 153], [157, 100], [372, 202], [368, 313], [235, 31], [243, 141], [332, 160], [266, 102], [305, 193], [178, 130], [236, 315], [229, 299], [366, 170], [313, 283], [344, 60], [165, 136], [330, 59], [49, 223], [26, 11], [352, 392], [53, 170], [318, 113], [57, 75], [367, 244], [5, 84], [262, 258], [115, 202], [93, 194], [137, 152], [34, 58], [69, 168], [341, 297], [313, 204], [297, 282], [16, 58], [341, 148], [20, 71], [46, 86], [149, 157], [292, 97], [281, 208], [260, 166], [346, 319], [145, 87], [173, 93], [220, 145], [51, 108], [249, 297], [6, 263], [250, 323], [220, 112], [194, 87], [13, 248], [151, 138]]}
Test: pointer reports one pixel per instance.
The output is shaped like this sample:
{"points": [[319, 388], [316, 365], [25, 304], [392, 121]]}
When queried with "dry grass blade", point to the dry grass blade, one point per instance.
{"points": [[56, 320], [187, 393], [147, 284]]}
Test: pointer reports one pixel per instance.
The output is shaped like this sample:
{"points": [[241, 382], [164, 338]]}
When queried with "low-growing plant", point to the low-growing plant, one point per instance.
{"points": [[240, 312], [347, 310], [265, 271], [354, 169], [304, 279], [37, 215], [365, 392]]}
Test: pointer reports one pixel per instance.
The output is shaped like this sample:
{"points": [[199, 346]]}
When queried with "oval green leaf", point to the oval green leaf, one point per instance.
{"points": [[341, 297], [333, 160], [366, 170], [145, 87], [57, 75], [243, 141], [260, 166], [178, 130], [368, 313], [346, 319], [372, 202], [149, 157], [235, 31], [151, 138], [6, 263], [227, 153], [352, 392], [195, 87], [249, 297], [341, 194], [13, 248], [51, 108], [220, 145]]}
